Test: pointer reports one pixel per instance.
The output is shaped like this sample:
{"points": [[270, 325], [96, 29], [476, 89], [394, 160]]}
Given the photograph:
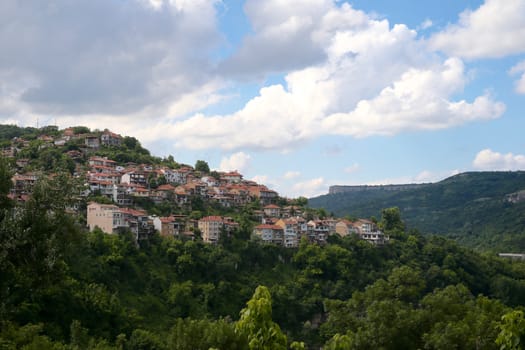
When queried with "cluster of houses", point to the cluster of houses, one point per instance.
{"points": [[88, 141], [281, 228], [126, 185], [159, 184], [23, 180]]}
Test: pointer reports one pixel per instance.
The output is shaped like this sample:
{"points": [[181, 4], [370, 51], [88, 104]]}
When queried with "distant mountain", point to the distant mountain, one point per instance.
{"points": [[480, 209]]}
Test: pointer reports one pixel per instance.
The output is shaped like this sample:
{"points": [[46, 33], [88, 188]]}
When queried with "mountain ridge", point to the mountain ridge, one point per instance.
{"points": [[481, 209]]}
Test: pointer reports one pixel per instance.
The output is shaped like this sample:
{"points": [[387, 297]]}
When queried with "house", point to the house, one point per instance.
{"points": [[367, 230], [317, 231], [177, 176], [103, 187], [102, 161], [345, 227], [170, 226], [292, 210], [23, 183], [69, 132], [46, 138], [104, 216], [239, 193], [212, 227], [197, 188], [264, 195], [137, 222], [92, 141], [224, 201], [9, 152], [231, 177], [114, 178], [210, 181], [134, 177], [272, 210], [291, 233], [270, 233], [165, 191], [110, 139], [122, 194]]}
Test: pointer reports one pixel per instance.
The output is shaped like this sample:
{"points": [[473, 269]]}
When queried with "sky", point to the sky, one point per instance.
{"points": [[295, 94]]}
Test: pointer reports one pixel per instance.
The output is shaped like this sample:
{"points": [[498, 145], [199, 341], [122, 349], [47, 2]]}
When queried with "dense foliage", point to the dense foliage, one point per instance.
{"points": [[62, 287], [472, 208]]}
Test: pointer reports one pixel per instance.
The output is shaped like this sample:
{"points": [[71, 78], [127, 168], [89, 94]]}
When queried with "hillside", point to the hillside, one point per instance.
{"points": [[138, 285], [476, 208]]}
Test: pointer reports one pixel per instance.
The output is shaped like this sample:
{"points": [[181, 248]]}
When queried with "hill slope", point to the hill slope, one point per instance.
{"points": [[474, 207]]}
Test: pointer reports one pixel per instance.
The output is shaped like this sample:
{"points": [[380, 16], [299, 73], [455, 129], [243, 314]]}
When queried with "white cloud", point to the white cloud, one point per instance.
{"points": [[520, 83], [290, 175], [143, 66], [352, 168], [375, 80], [491, 160], [417, 101], [427, 23], [97, 57], [309, 188], [282, 38], [239, 161], [495, 29]]}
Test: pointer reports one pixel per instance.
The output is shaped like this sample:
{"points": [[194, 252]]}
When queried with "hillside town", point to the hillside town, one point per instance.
{"points": [[115, 194]]}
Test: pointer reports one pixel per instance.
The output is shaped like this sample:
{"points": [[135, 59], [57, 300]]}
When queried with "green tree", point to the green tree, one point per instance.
{"points": [[202, 166], [190, 334], [5, 185], [144, 340], [391, 220], [512, 331], [256, 322]]}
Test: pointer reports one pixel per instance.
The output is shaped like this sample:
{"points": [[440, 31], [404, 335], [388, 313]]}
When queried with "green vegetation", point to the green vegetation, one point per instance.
{"points": [[202, 166], [62, 287], [470, 207]]}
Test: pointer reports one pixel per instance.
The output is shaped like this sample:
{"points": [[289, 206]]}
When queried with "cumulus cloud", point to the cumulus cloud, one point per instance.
{"points": [[488, 159], [495, 29], [417, 101], [239, 161], [98, 57], [309, 188], [282, 39], [152, 63], [375, 80], [520, 83], [427, 23], [290, 175]]}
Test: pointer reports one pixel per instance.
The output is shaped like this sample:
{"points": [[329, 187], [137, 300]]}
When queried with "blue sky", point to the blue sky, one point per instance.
{"points": [[296, 94]]}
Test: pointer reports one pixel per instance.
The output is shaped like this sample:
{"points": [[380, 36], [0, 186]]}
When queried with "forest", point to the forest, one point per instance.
{"points": [[65, 288], [474, 208]]}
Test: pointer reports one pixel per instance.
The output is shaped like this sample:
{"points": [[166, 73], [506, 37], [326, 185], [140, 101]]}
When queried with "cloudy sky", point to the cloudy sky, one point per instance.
{"points": [[296, 94]]}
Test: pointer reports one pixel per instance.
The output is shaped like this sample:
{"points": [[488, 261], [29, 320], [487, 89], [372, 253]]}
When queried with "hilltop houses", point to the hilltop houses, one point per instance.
{"points": [[113, 219], [129, 187], [212, 227], [365, 229]]}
